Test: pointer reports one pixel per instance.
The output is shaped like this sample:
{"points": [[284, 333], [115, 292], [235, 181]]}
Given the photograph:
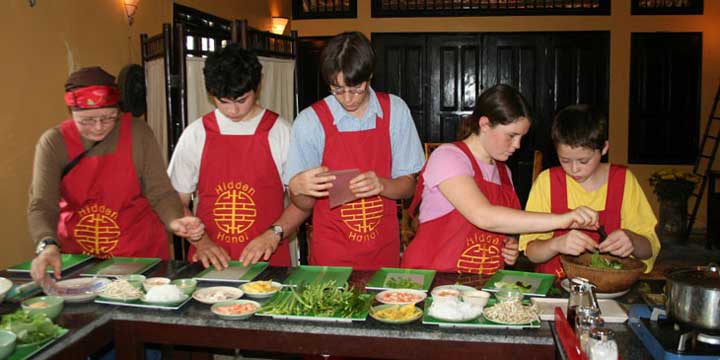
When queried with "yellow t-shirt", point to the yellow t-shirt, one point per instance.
{"points": [[636, 214]]}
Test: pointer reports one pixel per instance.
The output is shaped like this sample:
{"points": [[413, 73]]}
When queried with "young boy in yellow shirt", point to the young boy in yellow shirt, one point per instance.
{"points": [[579, 134]]}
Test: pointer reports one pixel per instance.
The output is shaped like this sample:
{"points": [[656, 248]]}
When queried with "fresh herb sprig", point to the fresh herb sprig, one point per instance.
{"points": [[600, 262], [401, 283], [319, 299], [30, 328]]}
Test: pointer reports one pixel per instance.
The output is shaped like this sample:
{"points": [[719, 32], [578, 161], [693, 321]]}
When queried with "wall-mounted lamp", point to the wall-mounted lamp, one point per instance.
{"points": [[278, 25], [130, 8]]}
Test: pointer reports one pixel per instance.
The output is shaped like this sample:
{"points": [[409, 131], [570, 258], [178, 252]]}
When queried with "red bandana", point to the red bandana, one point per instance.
{"points": [[92, 97]]}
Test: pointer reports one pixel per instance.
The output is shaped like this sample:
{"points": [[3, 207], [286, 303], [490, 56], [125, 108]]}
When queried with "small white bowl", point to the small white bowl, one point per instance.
{"points": [[216, 294], [477, 298], [274, 287], [400, 296], [150, 283], [215, 309]]}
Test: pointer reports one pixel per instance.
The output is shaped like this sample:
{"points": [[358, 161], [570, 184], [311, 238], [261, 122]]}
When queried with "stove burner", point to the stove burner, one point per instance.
{"points": [[708, 339]]}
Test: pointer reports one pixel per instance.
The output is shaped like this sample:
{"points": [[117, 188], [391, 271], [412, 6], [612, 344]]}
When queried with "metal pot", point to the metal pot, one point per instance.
{"points": [[693, 296]]}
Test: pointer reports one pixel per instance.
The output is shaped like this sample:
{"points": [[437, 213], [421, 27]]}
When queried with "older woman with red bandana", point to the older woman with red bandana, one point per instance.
{"points": [[99, 185]]}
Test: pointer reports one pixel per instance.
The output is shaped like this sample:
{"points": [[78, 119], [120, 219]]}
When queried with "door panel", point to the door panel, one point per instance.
{"points": [[577, 72], [664, 97], [440, 76], [454, 68], [400, 69], [311, 86]]}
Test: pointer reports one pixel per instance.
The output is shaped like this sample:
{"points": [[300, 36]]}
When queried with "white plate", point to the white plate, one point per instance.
{"points": [[610, 310], [261, 295], [69, 289], [417, 295], [461, 288], [204, 295], [565, 283]]}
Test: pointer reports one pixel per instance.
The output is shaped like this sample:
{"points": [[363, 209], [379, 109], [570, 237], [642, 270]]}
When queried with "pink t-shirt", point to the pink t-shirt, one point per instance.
{"points": [[447, 162]]}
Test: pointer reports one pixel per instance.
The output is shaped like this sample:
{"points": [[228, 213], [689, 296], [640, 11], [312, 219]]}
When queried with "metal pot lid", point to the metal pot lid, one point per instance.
{"points": [[704, 276]]}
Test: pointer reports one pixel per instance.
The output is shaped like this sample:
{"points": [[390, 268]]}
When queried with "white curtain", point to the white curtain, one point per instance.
{"points": [[198, 102], [156, 109], [276, 88]]}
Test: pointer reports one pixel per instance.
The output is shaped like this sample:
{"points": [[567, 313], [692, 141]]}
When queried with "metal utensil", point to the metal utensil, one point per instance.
{"points": [[602, 233]]}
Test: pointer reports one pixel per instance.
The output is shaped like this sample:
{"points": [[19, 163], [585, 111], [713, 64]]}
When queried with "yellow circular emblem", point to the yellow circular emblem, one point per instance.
{"points": [[481, 258], [97, 234], [234, 211], [362, 215]]}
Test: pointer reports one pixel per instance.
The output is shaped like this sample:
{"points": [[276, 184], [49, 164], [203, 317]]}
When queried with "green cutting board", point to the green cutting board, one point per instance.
{"points": [[317, 274], [136, 266], [357, 316], [235, 272], [68, 261], [540, 282], [383, 279], [479, 322]]}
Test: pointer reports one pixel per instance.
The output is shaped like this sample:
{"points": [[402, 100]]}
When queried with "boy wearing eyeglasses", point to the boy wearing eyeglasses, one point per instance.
{"points": [[232, 158], [98, 185], [353, 128]]}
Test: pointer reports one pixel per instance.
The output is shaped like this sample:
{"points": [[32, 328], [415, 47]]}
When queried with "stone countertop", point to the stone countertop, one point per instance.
{"points": [[92, 316]]}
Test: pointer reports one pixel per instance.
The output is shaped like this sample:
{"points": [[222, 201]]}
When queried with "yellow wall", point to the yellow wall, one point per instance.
{"points": [[620, 24], [41, 46]]}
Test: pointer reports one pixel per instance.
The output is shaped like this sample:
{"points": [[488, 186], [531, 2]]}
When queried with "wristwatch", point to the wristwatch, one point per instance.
{"points": [[44, 243], [277, 230]]}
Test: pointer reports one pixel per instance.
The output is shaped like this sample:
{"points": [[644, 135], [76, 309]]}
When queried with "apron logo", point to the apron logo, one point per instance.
{"points": [[97, 232], [234, 211], [480, 258], [362, 218]]}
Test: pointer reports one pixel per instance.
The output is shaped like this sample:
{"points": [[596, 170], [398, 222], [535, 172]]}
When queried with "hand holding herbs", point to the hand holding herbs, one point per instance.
{"points": [[30, 328], [320, 299]]}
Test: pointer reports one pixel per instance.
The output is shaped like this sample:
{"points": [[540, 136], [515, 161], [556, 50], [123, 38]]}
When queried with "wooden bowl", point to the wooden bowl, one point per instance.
{"points": [[605, 280]]}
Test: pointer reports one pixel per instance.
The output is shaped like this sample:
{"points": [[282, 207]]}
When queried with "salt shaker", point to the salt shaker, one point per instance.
{"points": [[602, 345], [587, 319]]}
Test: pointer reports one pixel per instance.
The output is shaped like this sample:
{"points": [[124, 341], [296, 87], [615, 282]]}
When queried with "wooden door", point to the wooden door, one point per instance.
{"points": [[311, 86], [576, 72], [517, 59], [400, 69], [454, 68], [665, 83]]}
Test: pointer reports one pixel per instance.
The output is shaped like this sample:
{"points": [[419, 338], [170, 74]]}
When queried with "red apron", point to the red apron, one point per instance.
{"points": [[451, 243], [239, 189], [364, 233], [103, 212], [610, 217]]}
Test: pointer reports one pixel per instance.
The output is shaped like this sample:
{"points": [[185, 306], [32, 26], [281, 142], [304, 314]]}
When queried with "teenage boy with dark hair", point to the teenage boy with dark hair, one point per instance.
{"points": [[580, 137], [358, 128], [233, 158]]}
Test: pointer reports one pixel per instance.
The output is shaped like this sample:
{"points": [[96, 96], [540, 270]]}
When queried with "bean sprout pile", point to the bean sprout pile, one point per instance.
{"points": [[512, 312], [120, 289]]}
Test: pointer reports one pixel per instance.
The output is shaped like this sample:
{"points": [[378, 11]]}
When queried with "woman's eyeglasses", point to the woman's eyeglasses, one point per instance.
{"points": [[356, 90], [103, 120]]}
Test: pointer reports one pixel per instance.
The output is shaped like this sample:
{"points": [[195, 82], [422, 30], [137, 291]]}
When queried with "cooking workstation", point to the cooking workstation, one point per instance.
{"points": [[93, 325]]}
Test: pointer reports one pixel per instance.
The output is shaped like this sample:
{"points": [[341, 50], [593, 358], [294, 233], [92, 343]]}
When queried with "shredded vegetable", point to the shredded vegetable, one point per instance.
{"points": [[511, 312], [120, 289]]}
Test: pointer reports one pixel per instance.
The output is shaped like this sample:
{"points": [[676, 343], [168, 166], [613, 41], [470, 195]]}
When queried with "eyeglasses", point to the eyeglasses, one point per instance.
{"points": [[340, 90], [103, 120]]}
